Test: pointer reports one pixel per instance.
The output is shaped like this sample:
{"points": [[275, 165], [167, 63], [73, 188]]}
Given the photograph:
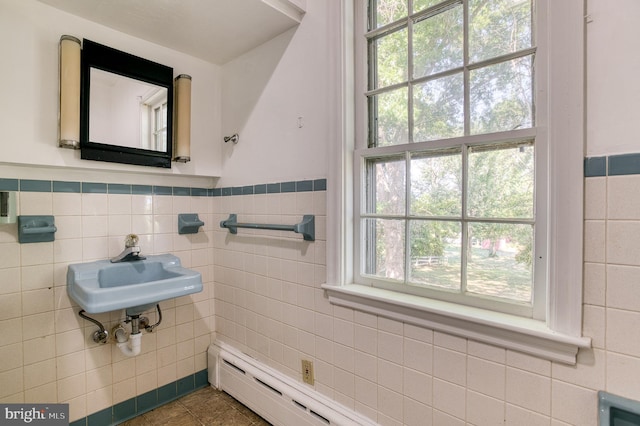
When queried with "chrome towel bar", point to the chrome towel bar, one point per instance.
{"points": [[306, 227]]}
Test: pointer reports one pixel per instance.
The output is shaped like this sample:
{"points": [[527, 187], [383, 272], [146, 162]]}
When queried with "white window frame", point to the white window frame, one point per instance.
{"points": [[558, 337], [159, 110], [150, 102]]}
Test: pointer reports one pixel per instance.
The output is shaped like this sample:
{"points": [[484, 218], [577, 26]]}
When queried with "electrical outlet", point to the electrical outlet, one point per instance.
{"points": [[307, 371]]}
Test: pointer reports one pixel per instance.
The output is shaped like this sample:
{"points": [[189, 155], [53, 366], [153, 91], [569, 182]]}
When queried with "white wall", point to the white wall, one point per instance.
{"points": [[265, 91], [613, 66], [262, 97], [116, 102], [30, 32]]}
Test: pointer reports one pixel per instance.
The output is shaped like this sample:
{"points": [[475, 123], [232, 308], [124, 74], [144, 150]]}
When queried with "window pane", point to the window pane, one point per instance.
{"points": [[389, 118], [389, 59], [384, 248], [388, 11], [501, 96], [499, 260], [436, 185], [419, 5], [438, 43], [386, 187], [439, 109], [157, 119], [162, 144], [498, 27], [435, 254], [501, 182]]}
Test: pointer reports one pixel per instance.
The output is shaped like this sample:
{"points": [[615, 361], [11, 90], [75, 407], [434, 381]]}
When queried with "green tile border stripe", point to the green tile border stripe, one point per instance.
{"points": [[71, 187], [162, 190], [94, 188], [146, 402], [595, 166], [272, 188], [116, 188], [9, 184], [31, 185], [181, 191], [34, 185], [626, 164], [142, 189], [612, 165]]}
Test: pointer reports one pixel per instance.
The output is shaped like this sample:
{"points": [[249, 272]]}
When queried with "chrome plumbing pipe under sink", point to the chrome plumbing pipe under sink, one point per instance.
{"points": [[130, 344]]}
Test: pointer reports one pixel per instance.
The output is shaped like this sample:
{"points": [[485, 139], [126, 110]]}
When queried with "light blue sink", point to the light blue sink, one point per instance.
{"points": [[102, 286]]}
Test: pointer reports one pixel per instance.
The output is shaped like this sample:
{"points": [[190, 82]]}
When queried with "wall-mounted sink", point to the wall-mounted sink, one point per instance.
{"points": [[102, 286]]}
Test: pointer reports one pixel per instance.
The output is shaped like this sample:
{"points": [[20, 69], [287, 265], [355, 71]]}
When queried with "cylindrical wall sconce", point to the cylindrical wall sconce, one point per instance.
{"points": [[69, 119], [182, 124]]}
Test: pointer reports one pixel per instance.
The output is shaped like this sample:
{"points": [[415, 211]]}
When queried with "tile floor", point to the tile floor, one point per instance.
{"points": [[206, 406]]}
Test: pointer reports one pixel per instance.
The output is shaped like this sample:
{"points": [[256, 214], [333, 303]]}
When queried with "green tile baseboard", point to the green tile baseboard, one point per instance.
{"points": [[148, 401]]}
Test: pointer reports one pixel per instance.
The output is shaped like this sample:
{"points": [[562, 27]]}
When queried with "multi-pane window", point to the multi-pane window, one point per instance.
{"points": [[452, 195]]}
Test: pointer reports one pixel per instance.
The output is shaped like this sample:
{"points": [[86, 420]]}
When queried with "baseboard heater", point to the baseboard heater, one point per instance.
{"points": [[277, 398]]}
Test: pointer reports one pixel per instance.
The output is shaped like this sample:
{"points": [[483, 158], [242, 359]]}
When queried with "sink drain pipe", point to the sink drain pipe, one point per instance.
{"points": [[132, 346], [129, 345]]}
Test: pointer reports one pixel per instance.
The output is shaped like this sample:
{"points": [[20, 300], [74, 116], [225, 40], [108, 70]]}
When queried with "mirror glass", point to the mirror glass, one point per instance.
{"points": [[126, 112], [139, 108]]}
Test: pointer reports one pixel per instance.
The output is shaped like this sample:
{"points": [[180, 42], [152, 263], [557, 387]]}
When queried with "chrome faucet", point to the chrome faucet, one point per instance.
{"points": [[131, 250]]}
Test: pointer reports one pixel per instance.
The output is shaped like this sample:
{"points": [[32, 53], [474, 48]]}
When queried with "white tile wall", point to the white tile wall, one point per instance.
{"points": [[46, 350], [266, 300], [404, 374]]}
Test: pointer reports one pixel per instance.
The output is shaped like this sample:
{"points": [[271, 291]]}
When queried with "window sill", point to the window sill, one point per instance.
{"points": [[511, 332]]}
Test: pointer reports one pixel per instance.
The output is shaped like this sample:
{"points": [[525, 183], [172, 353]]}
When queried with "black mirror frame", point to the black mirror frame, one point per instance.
{"points": [[95, 55]]}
